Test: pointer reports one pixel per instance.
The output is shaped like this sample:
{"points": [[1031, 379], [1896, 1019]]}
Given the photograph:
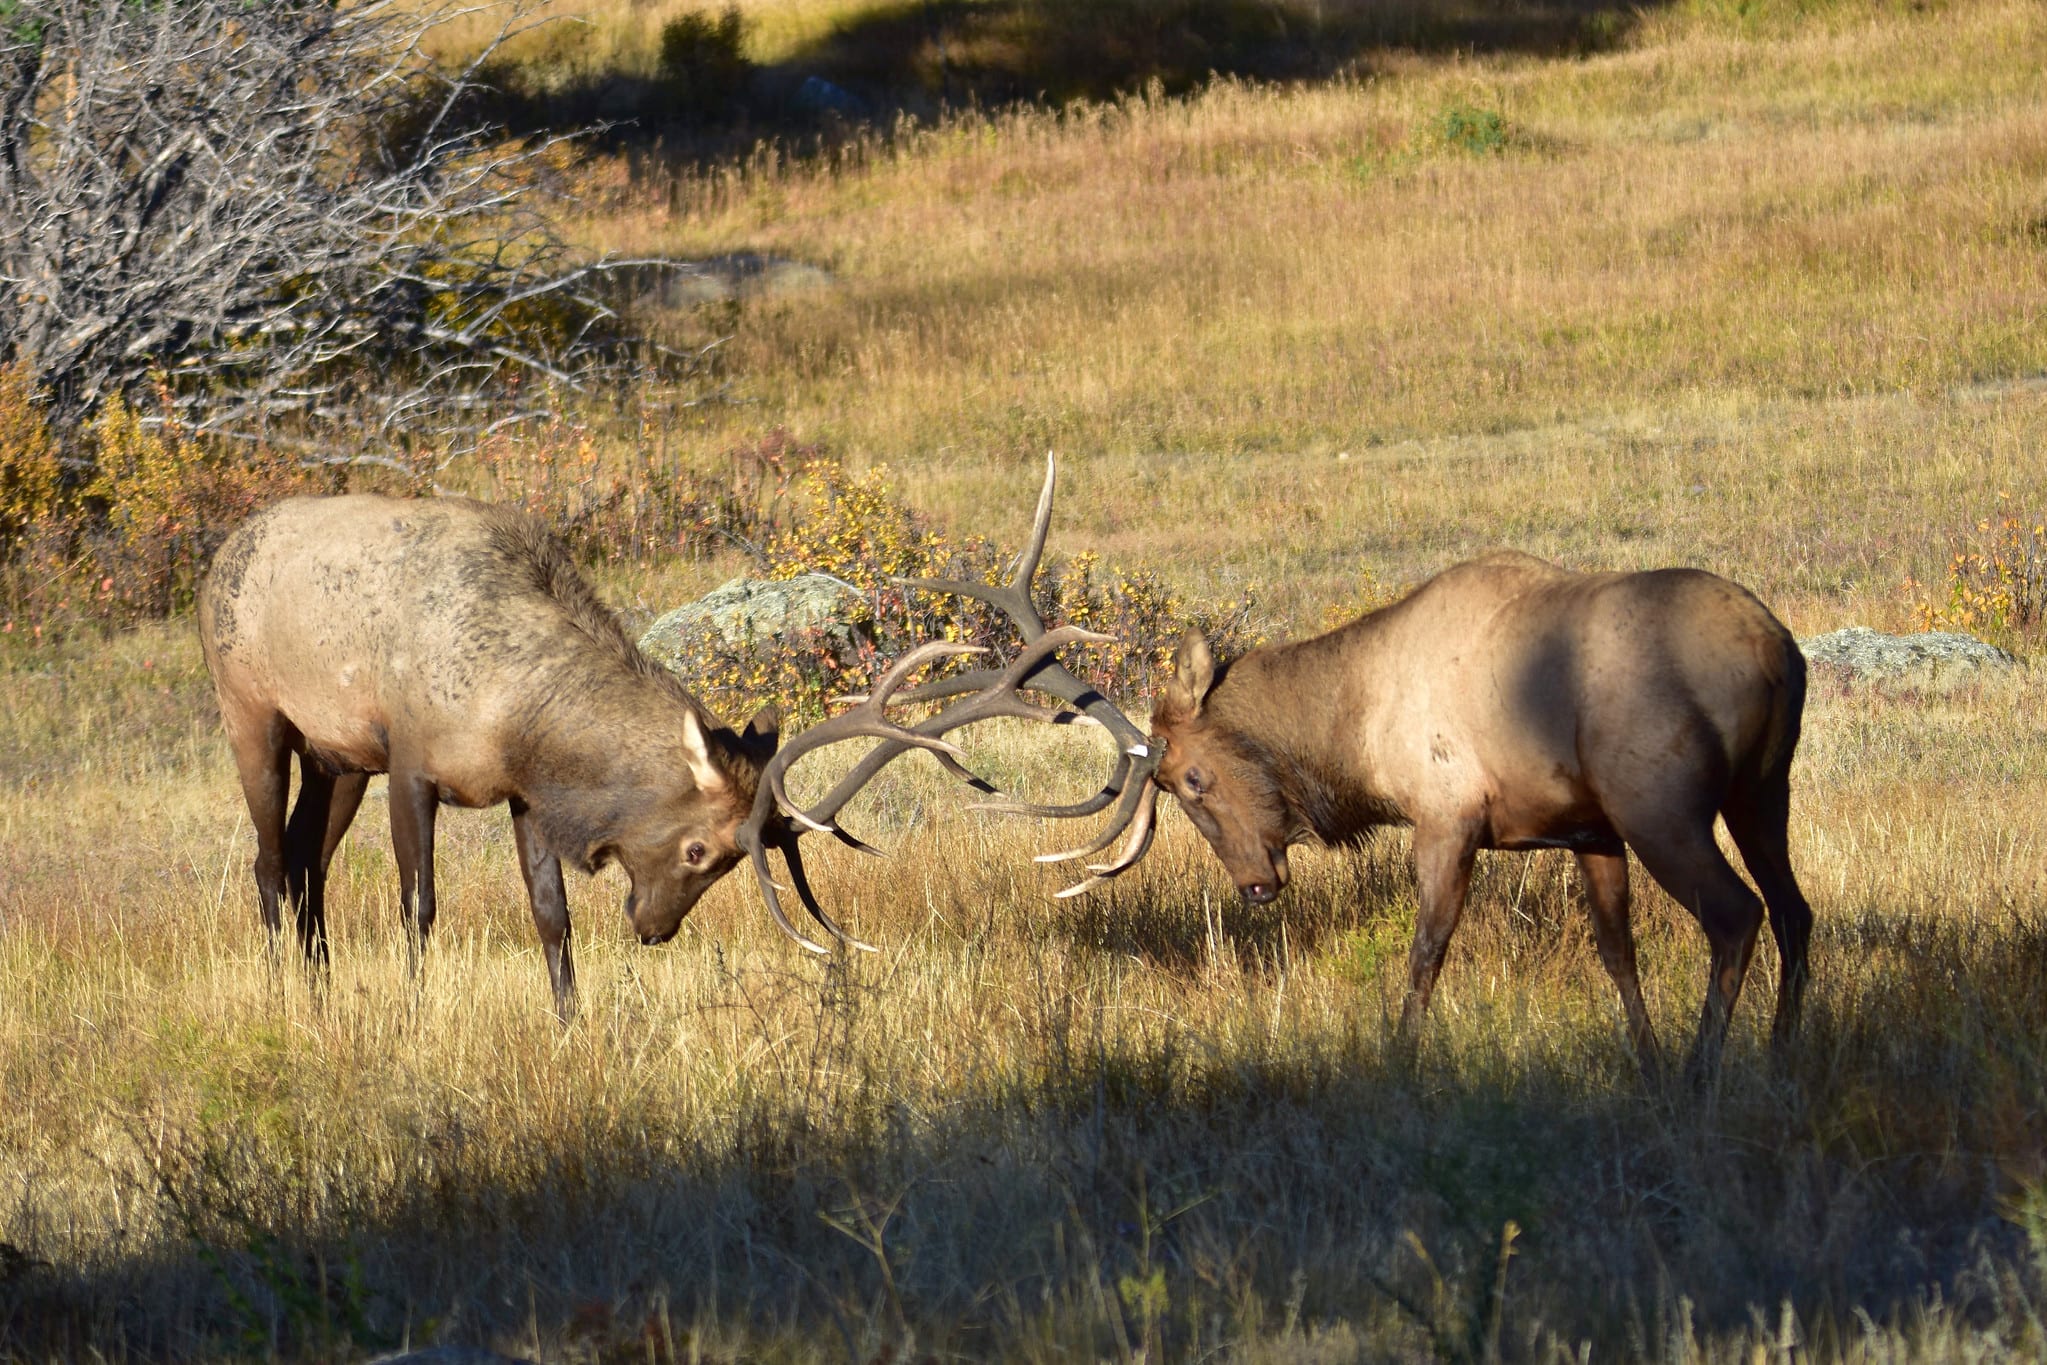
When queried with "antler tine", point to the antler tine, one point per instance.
{"points": [[885, 686], [1041, 524], [801, 881], [1014, 597], [1111, 789], [750, 840], [977, 680], [1139, 843], [1126, 809]]}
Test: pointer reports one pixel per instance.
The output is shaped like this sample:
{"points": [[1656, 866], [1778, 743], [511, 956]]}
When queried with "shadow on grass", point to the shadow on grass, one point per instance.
{"points": [[923, 57], [990, 52], [1158, 1189]]}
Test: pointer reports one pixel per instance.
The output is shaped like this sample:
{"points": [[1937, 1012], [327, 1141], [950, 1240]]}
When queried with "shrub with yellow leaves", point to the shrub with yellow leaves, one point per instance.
{"points": [[165, 503], [31, 479], [855, 528], [1996, 586], [130, 542]]}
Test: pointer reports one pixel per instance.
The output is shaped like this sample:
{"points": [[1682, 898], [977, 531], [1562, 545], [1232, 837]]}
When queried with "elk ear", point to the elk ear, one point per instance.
{"points": [[1193, 674], [763, 734], [696, 752]]}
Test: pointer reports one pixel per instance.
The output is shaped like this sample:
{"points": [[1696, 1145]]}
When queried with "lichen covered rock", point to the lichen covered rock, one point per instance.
{"points": [[752, 610], [1934, 658]]}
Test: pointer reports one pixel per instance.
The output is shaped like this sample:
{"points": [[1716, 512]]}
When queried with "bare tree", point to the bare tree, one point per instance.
{"points": [[277, 211]]}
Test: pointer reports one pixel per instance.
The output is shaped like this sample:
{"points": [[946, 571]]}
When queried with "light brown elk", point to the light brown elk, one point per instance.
{"points": [[1504, 704], [452, 645]]}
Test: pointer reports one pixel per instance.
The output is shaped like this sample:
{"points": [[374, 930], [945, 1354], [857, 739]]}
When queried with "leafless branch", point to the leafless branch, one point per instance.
{"points": [[279, 209]]}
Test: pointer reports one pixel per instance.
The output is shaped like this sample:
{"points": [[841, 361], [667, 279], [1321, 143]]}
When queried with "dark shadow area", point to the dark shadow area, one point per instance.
{"points": [[921, 58], [1161, 1191]]}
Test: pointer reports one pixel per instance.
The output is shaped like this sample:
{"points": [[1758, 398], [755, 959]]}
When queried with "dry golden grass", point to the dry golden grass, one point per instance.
{"points": [[1758, 295], [1686, 251]]}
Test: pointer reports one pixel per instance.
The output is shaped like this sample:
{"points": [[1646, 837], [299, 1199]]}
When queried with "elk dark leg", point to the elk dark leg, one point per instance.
{"points": [[550, 901], [304, 869], [1442, 863], [348, 794], [414, 802], [326, 805], [1606, 894], [1686, 862], [263, 760], [1760, 822]]}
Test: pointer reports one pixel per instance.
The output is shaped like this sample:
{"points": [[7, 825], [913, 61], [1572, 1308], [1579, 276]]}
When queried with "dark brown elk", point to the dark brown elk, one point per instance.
{"points": [[1510, 704], [1504, 704], [452, 645]]}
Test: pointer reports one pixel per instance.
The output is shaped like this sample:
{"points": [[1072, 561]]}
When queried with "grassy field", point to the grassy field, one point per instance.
{"points": [[1759, 289]]}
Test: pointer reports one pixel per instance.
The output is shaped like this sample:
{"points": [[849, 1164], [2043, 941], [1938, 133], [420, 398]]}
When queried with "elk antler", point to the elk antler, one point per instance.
{"points": [[1129, 783], [778, 822]]}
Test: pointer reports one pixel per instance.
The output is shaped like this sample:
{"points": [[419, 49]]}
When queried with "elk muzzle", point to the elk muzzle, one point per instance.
{"points": [[1263, 884], [657, 906]]}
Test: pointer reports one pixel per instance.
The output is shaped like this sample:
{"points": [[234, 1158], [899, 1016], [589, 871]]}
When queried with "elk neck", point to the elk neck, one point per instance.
{"points": [[1301, 713], [599, 744]]}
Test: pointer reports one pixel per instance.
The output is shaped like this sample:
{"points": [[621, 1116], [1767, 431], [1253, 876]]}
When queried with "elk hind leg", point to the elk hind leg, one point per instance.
{"points": [[262, 750], [1759, 820], [326, 804], [1606, 896], [1686, 862]]}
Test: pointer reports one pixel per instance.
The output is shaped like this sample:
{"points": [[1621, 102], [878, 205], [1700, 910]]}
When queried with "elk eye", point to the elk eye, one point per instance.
{"points": [[1197, 782], [694, 854]]}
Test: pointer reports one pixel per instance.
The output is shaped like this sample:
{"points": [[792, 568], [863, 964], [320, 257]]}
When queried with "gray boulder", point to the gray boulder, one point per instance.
{"points": [[1934, 658], [756, 611]]}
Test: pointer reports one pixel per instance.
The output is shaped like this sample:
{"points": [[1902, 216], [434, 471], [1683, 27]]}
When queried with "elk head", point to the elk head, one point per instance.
{"points": [[676, 849], [1222, 787]]}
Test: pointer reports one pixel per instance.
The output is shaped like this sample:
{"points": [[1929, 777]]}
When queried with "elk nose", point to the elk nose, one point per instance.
{"points": [[1258, 893]]}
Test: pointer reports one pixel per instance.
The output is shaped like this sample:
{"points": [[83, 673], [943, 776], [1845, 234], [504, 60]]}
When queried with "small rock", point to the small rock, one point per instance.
{"points": [[715, 279], [750, 610], [1934, 658]]}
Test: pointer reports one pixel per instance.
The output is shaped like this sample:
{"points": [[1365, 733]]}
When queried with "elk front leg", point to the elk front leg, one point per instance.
{"points": [[1443, 856], [1606, 895], [550, 902], [414, 802]]}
